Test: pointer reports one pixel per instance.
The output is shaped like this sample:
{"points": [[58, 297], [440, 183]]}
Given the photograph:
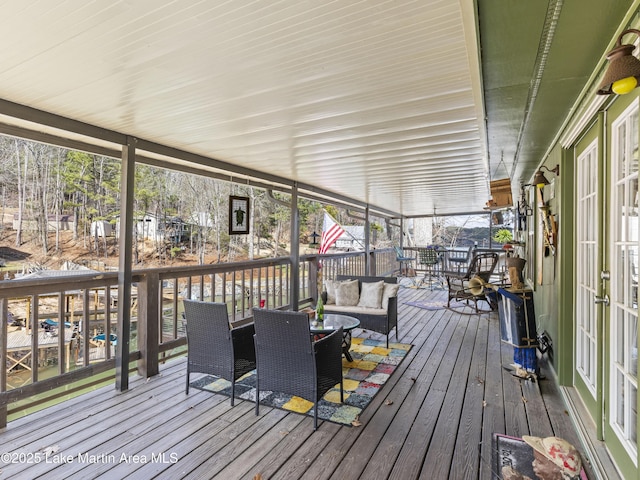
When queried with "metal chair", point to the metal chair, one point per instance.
{"points": [[289, 361], [407, 261], [213, 346], [458, 260], [429, 259], [482, 266]]}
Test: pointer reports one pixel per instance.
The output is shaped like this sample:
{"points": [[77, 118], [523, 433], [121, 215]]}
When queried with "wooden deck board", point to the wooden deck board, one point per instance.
{"points": [[469, 434], [435, 418], [493, 413], [441, 453]]}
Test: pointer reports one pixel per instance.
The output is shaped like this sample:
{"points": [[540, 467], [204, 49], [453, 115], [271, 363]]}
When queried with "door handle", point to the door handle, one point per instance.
{"points": [[604, 300]]}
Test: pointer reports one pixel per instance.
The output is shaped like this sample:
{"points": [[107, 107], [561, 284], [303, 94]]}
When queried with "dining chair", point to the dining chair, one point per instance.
{"points": [[289, 361], [458, 260], [213, 347]]}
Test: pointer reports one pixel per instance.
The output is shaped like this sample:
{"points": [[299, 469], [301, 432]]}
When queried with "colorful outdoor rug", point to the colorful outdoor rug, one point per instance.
{"points": [[363, 378]]}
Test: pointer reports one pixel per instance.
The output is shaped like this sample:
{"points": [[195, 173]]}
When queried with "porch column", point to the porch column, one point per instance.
{"points": [[367, 267], [127, 180], [294, 278], [3, 355]]}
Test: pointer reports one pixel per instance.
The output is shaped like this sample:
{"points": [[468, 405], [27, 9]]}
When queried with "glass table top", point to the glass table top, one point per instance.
{"points": [[333, 321]]}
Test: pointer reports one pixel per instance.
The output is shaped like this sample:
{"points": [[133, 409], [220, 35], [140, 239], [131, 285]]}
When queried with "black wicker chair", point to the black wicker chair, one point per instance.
{"points": [[214, 347], [288, 361]]}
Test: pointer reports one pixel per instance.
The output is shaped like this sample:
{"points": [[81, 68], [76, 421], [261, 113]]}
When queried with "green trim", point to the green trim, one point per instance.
{"points": [[566, 262], [594, 404]]}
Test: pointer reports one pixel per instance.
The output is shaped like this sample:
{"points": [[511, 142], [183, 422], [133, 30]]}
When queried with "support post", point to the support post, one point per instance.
{"points": [[367, 228], [3, 356], [294, 278], [127, 180], [149, 302]]}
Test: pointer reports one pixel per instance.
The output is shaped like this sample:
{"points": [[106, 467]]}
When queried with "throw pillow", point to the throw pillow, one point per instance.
{"points": [[371, 294], [347, 294], [330, 288], [390, 290]]}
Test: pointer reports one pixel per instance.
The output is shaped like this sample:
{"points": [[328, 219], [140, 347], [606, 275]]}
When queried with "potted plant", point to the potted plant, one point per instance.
{"points": [[505, 237]]}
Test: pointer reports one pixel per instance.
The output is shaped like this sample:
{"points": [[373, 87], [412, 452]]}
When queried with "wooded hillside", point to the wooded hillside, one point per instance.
{"points": [[42, 183]]}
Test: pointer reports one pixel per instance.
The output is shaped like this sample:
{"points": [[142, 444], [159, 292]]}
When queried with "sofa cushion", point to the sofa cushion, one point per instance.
{"points": [[330, 288], [355, 311], [347, 293], [371, 294], [390, 290]]}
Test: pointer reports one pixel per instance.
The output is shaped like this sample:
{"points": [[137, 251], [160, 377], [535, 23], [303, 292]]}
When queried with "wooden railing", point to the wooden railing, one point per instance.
{"points": [[47, 361]]}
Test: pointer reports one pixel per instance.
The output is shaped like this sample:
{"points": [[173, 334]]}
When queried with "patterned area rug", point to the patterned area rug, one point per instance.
{"points": [[428, 305], [459, 307], [363, 378]]}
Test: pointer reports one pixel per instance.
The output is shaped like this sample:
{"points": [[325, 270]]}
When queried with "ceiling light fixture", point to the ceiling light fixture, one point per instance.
{"points": [[623, 73], [540, 180]]}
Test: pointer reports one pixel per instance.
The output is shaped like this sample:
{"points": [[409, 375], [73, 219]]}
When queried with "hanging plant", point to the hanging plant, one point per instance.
{"points": [[503, 236]]}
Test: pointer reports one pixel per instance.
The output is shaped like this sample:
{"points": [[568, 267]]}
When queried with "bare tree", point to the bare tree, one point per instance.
{"points": [[22, 166]]}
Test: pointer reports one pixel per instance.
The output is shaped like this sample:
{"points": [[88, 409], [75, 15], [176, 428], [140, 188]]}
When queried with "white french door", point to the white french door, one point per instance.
{"points": [[623, 262], [587, 268]]}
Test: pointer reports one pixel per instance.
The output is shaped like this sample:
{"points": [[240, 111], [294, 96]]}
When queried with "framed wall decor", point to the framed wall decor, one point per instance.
{"points": [[238, 215]]}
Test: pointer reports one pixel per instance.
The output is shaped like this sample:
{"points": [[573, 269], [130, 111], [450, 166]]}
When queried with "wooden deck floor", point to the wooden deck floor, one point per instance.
{"points": [[434, 419]]}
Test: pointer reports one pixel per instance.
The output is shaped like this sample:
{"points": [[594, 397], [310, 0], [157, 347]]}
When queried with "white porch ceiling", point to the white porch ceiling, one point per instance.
{"points": [[380, 101]]}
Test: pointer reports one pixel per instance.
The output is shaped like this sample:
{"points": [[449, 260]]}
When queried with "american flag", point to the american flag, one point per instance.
{"points": [[330, 233]]}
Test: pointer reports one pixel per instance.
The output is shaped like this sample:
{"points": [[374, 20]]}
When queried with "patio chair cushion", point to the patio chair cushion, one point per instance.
{"points": [[371, 295], [390, 290], [347, 293]]}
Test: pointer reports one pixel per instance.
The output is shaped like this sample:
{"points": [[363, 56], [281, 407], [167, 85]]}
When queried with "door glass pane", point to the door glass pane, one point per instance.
{"points": [[622, 151], [620, 402], [633, 399], [633, 347], [620, 343]]}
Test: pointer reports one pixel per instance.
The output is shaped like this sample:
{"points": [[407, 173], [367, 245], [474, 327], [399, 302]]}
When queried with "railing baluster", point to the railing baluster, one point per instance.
{"points": [[62, 334], [34, 337], [107, 315]]}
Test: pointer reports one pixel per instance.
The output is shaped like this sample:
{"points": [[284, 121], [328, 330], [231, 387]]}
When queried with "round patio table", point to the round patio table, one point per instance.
{"points": [[333, 321]]}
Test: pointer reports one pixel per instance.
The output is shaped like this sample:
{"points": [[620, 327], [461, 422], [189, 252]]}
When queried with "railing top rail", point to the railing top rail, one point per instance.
{"points": [[41, 286]]}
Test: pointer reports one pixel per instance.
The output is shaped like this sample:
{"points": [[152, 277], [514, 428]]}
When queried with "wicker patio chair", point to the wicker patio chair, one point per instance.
{"points": [[288, 361], [481, 265], [214, 347]]}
